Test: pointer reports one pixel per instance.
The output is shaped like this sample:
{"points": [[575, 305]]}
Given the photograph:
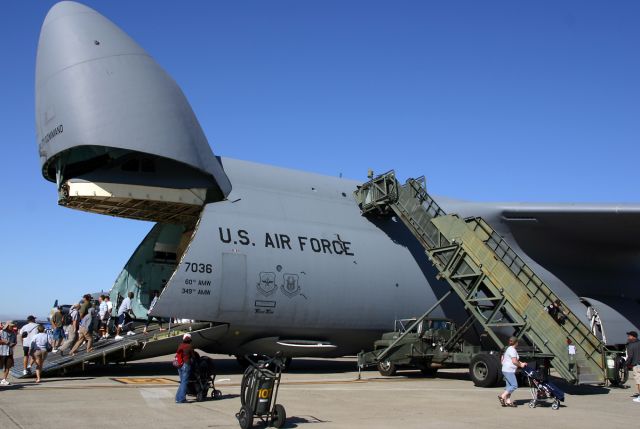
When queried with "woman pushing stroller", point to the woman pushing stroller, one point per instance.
{"points": [[510, 363]]}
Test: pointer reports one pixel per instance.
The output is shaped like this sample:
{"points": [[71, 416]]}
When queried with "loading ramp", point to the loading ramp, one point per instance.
{"points": [[499, 290], [138, 346]]}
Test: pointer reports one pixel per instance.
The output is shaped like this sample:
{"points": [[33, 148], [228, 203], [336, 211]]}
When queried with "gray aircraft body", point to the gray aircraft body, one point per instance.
{"points": [[278, 259]]}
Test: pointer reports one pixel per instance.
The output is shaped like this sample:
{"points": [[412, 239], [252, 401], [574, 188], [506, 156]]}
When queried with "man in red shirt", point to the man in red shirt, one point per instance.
{"points": [[185, 350]]}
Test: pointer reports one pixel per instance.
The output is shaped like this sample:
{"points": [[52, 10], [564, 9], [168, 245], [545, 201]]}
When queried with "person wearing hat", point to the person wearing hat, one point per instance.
{"points": [[633, 360], [8, 341], [510, 362], [184, 354], [27, 333]]}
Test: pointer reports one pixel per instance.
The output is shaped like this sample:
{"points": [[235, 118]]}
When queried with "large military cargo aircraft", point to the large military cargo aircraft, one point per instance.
{"points": [[278, 259]]}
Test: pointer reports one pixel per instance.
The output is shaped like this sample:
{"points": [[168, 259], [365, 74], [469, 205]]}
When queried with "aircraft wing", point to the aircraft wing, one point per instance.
{"points": [[612, 226], [592, 249]]}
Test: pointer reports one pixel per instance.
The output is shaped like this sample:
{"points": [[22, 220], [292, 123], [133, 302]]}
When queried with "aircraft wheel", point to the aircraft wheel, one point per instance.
{"points": [[387, 368], [483, 370], [245, 417], [279, 416]]}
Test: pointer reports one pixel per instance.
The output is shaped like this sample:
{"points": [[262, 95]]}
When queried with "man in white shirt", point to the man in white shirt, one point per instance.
{"points": [[27, 333], [123, 315]]}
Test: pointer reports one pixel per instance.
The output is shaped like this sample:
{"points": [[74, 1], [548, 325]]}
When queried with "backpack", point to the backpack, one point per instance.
{"points": [[178, 359]]}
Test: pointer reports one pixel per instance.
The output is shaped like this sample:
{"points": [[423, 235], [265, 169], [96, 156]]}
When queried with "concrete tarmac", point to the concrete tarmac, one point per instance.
{"points": [[316, 393]]}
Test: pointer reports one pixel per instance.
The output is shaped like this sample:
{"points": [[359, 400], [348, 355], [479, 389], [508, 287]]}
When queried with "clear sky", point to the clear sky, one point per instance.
{"points": [[492, 101]]}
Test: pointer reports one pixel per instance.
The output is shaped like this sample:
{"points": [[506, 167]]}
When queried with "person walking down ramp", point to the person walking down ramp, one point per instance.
{"points": [[510, 362]]}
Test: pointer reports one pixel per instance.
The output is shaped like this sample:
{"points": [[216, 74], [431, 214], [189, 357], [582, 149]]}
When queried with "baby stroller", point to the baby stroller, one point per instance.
{"points": [[202, 378], [542, 390]]}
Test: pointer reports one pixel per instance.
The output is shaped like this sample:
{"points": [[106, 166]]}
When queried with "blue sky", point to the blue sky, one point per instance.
{"points": [[492, 101]]}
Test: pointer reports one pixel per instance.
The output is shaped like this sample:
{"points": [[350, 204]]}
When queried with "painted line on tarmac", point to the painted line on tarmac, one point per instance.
{"points": [[144, 380], [18, 425]]}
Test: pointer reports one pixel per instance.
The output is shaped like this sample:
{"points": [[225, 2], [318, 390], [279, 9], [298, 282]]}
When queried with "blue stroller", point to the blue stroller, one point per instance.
{"points": [[542, 390]]}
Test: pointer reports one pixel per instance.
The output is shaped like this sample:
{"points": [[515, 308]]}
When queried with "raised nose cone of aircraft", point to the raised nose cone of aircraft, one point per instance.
{"points": [[112, 124]]}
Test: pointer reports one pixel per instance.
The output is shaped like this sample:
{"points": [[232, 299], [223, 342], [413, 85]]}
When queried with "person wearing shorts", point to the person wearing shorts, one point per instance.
{"points": [[633, 360], [510, 362], [39, 348], [57, 323], [8, 341], [27, 332]]}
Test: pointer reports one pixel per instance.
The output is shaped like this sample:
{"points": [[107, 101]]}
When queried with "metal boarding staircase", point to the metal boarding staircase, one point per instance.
{"points": [[498, 289], [109, 350]]}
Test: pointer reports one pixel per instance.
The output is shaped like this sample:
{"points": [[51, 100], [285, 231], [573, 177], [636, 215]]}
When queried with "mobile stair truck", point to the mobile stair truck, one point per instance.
{"points": [[499, 291]]}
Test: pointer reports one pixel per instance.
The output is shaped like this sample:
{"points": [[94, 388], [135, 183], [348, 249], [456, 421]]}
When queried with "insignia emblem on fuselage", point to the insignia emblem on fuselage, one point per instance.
{"points": [[290, 285], [267, 283]]}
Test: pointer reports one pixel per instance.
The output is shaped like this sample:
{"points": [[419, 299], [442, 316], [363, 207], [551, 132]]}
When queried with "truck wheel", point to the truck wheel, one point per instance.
{"points": [[428, 371], [483, 370], [279, 416], [387, 368]]}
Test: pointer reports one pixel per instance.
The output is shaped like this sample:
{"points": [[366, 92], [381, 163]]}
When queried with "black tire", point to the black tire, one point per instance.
{"points": [[555, 405], [245, 417], [622, 372], [279, 416], [429, 372], [483, 370], [387, 368], [201, 395], [216, 394], [246, 378]]}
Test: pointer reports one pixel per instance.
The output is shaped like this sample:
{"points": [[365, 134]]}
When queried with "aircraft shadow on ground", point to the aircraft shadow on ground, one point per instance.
{"points": [[222, 367]]}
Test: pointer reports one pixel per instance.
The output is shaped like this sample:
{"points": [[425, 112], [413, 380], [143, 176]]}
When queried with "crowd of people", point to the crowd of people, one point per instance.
{"points": [[84, 323]]}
